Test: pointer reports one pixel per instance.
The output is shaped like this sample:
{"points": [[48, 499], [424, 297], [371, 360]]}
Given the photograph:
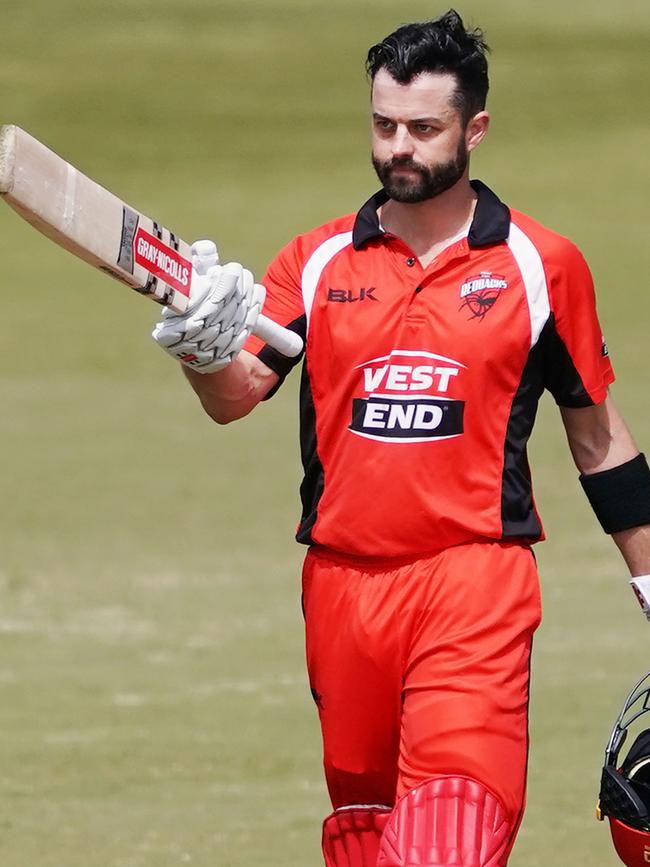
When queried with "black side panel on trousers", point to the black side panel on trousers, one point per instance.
{"points": [[313, 483]]}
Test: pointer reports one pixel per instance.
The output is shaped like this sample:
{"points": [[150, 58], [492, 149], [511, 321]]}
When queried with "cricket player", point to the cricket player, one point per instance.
{"points": [[433, 320]]}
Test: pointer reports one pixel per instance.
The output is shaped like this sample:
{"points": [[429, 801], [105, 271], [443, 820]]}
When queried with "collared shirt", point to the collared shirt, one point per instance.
{"points": [[420, 385]]}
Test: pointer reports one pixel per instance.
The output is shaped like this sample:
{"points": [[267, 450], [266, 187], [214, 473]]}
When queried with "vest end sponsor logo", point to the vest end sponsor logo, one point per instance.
{"points": [[409, 396], [409, 377], [349, 296], [481, 292], [162, 261], [407, 419]]}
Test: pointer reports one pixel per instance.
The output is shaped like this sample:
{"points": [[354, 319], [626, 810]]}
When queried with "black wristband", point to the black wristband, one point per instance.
{"points": [[620, 497]]}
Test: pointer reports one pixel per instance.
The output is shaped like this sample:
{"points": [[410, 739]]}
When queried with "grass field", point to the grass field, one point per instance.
{"points": [[153, 705]]}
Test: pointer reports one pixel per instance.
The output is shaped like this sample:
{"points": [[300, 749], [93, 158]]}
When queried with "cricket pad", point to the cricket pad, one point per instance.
{"points": [[351, 836], [446, 822]]}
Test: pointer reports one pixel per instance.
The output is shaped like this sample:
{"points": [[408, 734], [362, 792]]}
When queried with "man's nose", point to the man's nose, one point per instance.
{"points": [[402, 144]]}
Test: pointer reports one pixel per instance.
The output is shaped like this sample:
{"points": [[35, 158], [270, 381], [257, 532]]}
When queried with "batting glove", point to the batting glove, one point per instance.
{"points": [[225, 304], [641, 587]]}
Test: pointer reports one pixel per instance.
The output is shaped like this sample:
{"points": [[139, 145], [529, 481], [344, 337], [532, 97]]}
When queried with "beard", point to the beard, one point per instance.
{"points": [[428, 182]]}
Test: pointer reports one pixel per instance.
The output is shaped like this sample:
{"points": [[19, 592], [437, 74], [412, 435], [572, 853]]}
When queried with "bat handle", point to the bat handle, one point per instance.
{"points": [[284, 341]]}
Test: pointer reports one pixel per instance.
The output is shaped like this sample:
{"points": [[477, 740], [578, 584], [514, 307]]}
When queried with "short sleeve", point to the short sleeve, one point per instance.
{"points": [[284, 305], [577, 368]]}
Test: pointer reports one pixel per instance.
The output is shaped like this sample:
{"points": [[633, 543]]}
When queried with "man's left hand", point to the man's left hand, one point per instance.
{"points": [[222, 316]]}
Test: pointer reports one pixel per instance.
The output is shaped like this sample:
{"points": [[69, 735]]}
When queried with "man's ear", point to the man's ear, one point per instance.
{"points": [[477, 129]]}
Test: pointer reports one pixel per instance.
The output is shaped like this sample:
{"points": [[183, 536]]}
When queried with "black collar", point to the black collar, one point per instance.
{"points": [[491, 223]]}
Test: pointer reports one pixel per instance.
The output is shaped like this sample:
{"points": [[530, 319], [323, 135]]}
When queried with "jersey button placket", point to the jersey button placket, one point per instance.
{"points": [[415, 279]]}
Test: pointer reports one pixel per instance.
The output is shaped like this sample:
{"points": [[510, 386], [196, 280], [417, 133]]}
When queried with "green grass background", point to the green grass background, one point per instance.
{"points": [[153, 705]]}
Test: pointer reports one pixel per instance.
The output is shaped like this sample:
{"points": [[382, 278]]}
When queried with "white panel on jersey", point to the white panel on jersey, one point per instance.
{"points": [[316, 265], [532, 272]]}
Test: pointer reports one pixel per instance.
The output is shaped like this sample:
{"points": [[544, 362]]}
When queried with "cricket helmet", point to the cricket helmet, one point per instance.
{"points": [[625, 785]]}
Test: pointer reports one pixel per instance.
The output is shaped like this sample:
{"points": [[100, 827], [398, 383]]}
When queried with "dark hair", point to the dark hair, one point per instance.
{"points": [[442, 46]]}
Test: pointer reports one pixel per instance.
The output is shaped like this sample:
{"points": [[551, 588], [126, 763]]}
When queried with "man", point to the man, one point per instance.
{"points": [[433, 320]]}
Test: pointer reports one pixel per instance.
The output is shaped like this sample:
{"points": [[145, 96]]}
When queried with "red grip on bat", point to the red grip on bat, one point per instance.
{"points": [[351, 836], [446, 822]]}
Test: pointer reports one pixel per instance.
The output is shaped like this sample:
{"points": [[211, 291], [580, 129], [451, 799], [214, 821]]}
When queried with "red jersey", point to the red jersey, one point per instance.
{"points": [[420, 385]]}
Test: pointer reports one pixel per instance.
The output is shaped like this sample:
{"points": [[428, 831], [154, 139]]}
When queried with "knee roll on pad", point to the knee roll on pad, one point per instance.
{"points": [[351, 836], [446, 821]]}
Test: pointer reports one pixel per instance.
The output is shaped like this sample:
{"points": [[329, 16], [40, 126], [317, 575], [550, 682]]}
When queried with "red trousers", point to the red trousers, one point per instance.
{"points": [[421, 668]]}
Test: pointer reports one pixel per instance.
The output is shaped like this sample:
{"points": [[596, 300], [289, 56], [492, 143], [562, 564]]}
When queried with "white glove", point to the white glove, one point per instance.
{"points": [[641, 587], [224, 305]]}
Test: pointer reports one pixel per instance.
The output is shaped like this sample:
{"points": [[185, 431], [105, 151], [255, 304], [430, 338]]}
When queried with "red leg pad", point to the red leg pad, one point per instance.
{"points": [[446, 822], [351, 836]]}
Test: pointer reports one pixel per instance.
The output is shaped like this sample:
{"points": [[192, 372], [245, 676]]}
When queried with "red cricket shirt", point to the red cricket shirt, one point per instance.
{"points": [[420, 386]]}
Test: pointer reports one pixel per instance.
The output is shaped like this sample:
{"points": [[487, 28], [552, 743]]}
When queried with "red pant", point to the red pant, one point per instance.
{"points": [[422, 668]]}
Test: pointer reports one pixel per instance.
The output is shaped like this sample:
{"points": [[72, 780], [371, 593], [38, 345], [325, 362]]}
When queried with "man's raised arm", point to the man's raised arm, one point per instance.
{"points": [[208, 340], [234, 391]]}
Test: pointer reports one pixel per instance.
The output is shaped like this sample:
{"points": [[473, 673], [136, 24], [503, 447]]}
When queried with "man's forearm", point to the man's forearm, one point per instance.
{"points": [[598, 437], [233, 392], [615, 478], [634, 545]]}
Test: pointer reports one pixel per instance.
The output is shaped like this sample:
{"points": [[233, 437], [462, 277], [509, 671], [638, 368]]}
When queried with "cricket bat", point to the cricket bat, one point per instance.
{"points": [[83, 217]]}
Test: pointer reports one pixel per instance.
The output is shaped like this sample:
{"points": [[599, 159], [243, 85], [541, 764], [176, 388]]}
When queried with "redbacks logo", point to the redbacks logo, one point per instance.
{"points": [[480, 293], [408, 398], [162, 261]]}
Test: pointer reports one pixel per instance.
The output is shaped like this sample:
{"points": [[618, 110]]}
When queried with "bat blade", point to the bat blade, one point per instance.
{"points": [[89, 221]]}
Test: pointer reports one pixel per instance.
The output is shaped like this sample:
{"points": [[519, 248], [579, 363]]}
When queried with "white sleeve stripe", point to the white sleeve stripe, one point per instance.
{"points": [[531, 267], [317, 263]]}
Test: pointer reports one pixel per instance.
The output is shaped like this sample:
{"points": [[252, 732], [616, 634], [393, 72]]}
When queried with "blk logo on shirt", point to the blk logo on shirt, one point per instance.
{"points": [[407, 398], [349, 296]]}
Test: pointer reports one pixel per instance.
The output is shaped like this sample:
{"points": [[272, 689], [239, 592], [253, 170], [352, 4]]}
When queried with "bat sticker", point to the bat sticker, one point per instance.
{"points": [[129, 227]]}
